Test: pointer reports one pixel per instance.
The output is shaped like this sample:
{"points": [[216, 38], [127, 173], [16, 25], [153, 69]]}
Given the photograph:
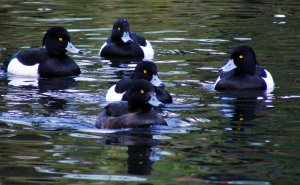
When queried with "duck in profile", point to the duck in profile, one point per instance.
{"points": [[124, 43], [134, 113], [48, 61], [242, 72], [144, 70]]}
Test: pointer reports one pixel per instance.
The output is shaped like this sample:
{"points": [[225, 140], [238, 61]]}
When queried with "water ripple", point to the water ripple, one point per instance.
{"points": [[63, 19], [124, 178]]}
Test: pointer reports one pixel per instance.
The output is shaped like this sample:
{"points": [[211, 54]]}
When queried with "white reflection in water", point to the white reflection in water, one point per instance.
{"points": [[279, 16], [243, 39], [127, 178], [105, 177], [165, 31], [80, 135], [63, 19], [195, 40]]}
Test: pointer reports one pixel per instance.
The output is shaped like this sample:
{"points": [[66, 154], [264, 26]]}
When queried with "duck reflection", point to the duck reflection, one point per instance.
{"points": [[53, 103], [55, 84], [119, 62], [43, 84], [46, 88], [242, 106], [140, 149], [126, 66]]}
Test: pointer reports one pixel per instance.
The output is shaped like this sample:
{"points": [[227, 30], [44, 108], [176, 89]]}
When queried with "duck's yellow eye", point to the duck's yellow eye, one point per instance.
{"points": [[142, 91], [241, 117], [119, 28], [241, 56], [145, 71], [60, 39]]}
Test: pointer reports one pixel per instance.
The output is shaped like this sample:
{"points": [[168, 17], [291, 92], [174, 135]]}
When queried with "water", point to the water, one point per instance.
{"points": [[46, 128]]}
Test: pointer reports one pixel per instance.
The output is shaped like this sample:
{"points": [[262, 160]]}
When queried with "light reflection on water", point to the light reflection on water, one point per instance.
{"points": [[47, 126]]}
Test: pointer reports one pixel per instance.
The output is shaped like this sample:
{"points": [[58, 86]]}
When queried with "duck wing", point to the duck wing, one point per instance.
{"points": [[117, 109], [260, 72], [32, 56], [139, 39], [28, 57], [111, 116], [123, 85]]}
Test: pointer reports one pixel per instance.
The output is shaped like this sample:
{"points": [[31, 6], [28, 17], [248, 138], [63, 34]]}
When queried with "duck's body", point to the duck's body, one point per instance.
{"points": [[134, 113], [242, 72], [144, 70], [124, 43], [123, 118], [48, 61]]}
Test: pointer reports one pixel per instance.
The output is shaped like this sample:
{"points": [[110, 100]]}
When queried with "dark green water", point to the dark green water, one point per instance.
{"points": [[250, 138]]}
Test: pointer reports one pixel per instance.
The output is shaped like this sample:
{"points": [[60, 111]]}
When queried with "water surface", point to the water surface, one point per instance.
{"points": [[223, 138]]}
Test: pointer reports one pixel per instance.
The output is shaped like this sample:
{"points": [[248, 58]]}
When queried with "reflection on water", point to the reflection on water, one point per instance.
{"points": [[243, 106], [140, 154], [46, 125]]}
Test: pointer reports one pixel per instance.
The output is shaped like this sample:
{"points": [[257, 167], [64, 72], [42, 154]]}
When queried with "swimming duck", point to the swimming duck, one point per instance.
{"points": [[134, 113], [242, 72], [124, 43], [48, 61], [144, 70]]}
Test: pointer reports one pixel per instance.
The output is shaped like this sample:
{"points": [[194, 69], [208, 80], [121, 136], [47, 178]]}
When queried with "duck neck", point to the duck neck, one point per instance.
{"points": [[135, 107], [55, 54]]}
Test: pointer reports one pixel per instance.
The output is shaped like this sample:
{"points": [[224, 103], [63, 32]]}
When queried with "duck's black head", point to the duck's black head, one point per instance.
{"points": [[147, 70], [121, 31], [141, 96], [57, 41], [244, 59]]}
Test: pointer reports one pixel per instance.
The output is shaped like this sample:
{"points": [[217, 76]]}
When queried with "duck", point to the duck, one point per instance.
{"points": [[124, 43], [242, 72], [137, 112], [144, 70], [50, 60]]}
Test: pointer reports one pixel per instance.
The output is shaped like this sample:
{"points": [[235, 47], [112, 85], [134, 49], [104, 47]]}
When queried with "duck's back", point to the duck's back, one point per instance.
{"points": [[139, 39], [117, 115], [32, 56], [36, 61], [28, 57]]}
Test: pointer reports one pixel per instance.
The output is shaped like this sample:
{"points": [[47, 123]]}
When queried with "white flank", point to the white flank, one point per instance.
{"points": [[111, 94], [17, 68], [148, 51], [102, 48], [218, 79], [269, 81]]}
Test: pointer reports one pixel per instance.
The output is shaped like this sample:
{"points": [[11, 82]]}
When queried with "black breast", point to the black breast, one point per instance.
{"points": [[120, 50], [241, 82], [57, 67]]}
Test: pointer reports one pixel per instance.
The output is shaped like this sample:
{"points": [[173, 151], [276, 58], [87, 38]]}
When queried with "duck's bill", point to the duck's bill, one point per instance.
{"points": [[156, 81], [126, 37], [71, 48], [228, 67], [154, 101]]}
